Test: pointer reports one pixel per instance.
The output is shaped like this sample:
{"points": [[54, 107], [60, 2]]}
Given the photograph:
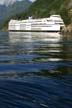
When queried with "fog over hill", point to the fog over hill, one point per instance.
{"points": [[7, 2], [9, 8], [10, 2]]}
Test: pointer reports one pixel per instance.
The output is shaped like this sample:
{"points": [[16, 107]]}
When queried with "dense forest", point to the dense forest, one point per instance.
{"points": [[44, 8]]}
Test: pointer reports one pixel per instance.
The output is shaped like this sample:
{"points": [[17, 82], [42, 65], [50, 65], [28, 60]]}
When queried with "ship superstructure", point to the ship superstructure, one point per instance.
{"points": [[53, 23]]}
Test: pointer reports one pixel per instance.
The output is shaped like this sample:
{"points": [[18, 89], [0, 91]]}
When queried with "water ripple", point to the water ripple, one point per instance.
{"points": [[35, 70], [33, 91]]}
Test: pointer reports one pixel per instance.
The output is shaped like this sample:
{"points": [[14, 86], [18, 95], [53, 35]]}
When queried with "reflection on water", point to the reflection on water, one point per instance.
{"points": [[29, 52], [37, 43], [35, 70]]}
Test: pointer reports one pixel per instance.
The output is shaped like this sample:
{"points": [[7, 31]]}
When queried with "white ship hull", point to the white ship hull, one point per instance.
{"points": [[49, 29], [43, 24]]}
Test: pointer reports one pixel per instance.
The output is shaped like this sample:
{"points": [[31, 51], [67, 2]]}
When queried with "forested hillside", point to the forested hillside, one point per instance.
{"points": [[9, 11], [44, 8]]}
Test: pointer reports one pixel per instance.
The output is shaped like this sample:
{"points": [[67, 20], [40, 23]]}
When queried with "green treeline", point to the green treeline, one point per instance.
{"points": [[44, 8]]}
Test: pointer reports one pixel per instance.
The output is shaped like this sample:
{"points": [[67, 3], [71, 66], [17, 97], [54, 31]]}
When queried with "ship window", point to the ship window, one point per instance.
{"points": [[49, 20], [58, 20]]}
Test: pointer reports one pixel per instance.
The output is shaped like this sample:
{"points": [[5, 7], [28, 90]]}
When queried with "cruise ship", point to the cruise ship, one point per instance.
{"points": [[54, 23]]}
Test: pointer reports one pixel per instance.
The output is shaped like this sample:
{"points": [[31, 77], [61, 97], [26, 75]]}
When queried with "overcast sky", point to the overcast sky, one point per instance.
{"points": [[7, 2]]}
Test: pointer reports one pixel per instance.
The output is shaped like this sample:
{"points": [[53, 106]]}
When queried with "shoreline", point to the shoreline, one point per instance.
{"points": [[67, 29]]}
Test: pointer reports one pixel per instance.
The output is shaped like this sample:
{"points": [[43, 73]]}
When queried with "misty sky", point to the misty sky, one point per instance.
{"points": [[7, 2]]}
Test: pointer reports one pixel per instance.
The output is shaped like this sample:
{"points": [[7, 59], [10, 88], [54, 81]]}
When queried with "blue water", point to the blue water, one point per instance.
{"points": [[35, 70]]}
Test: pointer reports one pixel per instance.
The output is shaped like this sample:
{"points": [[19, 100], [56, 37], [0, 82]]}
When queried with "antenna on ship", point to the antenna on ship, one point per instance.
{"points": [[30, 17]]}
